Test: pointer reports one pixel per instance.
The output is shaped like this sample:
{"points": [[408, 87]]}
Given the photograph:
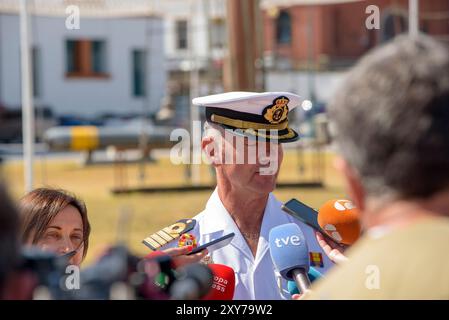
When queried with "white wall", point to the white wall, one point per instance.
{"points": [[85, 96], [174, 10]]}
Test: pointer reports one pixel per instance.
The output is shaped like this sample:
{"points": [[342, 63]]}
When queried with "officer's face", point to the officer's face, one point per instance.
{"points": [[251, 165]]}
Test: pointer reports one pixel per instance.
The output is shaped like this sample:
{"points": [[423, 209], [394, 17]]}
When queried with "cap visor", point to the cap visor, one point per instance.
{"points": [[282, 136]]}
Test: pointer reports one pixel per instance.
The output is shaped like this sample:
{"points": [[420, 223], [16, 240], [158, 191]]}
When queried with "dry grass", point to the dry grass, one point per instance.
{"points": [[150, 212]]}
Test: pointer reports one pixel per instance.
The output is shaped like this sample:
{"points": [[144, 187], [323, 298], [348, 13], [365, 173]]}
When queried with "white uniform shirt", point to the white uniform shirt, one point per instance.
{"points": [[255, 276]]}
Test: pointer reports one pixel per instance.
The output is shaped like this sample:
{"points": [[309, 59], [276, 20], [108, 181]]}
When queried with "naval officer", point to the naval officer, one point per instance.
{"points": [[241, 126]]}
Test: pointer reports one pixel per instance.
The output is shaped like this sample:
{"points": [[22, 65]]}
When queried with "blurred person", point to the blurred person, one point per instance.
{"points": [[391, 124], [56, 221], [9, 243], [244, 125], [15, 284]]}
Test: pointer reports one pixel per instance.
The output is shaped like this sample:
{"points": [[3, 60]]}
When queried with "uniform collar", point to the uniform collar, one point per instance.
{"points": [[220, 222], [218, 218]]}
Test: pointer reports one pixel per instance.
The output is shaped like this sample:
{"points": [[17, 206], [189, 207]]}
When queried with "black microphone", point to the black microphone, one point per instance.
{"points": [[194, 282]]}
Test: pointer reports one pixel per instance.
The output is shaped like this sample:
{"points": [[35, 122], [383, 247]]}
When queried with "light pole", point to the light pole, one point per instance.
{"points": [[27, 96], [413, 18]]}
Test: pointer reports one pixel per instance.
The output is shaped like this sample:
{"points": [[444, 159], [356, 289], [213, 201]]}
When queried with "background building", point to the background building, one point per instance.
{"points": [[110, 65], [327, 39], [195, 47], [333, 36]]}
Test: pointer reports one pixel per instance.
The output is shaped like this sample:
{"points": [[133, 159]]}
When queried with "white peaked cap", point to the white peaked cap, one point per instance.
{"points": [[249, 102], [263, 115]]}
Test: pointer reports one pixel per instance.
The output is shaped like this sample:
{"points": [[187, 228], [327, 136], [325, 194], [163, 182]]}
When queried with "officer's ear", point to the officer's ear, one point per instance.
{"points": [[354, 186], [210, 147]]}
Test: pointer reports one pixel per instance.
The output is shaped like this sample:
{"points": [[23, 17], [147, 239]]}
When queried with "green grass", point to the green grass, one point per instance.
{"points": [[151, 212]]}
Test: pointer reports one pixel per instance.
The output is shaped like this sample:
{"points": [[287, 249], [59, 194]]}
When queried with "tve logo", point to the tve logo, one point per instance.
{"points": [[285, 241], [288, 249]]}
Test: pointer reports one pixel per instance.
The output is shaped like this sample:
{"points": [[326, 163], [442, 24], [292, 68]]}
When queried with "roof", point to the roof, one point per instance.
{"points": [[88, 8]]}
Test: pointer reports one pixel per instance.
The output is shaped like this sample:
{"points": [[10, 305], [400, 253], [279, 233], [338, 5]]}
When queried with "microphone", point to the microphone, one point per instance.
{"points": [[223, 285], [313, 275], [290, 254], [163, 266], [340, 220], [194, 282]]}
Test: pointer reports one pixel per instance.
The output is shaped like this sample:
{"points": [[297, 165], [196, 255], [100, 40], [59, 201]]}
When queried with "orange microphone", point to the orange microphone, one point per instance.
{"points": [[340, 220]]}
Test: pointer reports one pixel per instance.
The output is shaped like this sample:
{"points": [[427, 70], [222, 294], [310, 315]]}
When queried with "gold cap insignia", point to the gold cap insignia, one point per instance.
{"points": [[278, 111]]}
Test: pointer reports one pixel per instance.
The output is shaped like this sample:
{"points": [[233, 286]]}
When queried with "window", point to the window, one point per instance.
{"points": [[86, 58], [98, 54], [283, 28], [36, 60], [138, 73], [217, 33], [73, 56], [181, 34]]}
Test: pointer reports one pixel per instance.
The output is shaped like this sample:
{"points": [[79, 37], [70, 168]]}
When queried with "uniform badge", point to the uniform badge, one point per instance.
{"points": [[278, 111], [187, 239], [168, 234], [316, 259]]}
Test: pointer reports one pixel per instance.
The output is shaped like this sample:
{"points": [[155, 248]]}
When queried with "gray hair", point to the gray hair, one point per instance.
{"points": [[391, 118], [212, 129], [216, 132]]}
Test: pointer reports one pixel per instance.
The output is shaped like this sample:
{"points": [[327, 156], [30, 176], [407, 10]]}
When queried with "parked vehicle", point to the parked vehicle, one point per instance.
{"points": [[11, 123]]}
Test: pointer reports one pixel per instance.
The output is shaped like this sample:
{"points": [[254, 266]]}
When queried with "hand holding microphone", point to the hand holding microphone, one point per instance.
{"points": [[337, 224], [221, 288], [339, 219], [313, 275], [180, 257], [333, 251], [193, 282]]}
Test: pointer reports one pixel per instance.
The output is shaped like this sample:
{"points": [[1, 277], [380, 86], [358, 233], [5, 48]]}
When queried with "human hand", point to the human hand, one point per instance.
{"points": [[332, 250], [180, 257]]}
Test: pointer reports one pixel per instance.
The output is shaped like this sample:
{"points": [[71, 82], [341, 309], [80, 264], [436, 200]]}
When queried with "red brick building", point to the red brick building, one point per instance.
{"points": [[333, 36]]}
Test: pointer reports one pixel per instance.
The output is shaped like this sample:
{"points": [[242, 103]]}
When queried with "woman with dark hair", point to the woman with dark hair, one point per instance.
{"points": [[56, 221]]}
